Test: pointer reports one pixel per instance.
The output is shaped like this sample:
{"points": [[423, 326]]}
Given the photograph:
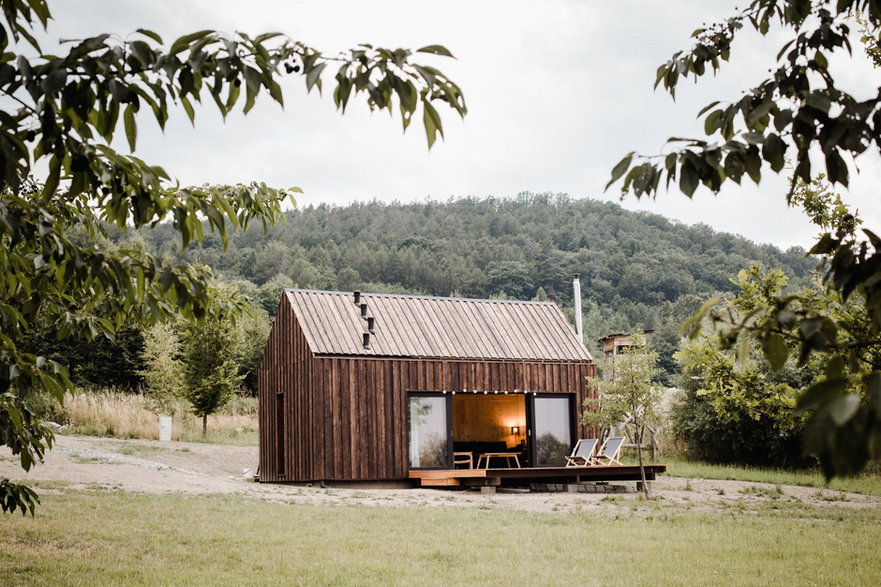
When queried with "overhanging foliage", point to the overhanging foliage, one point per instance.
{"points": [[65, 110]]}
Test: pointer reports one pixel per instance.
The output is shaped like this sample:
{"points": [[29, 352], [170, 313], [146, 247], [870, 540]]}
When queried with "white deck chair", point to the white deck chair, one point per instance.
{"points": [[610, 452], [582, 454]]}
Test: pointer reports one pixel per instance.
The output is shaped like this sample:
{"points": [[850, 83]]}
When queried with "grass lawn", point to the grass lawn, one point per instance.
{"points": [[87, 538]]}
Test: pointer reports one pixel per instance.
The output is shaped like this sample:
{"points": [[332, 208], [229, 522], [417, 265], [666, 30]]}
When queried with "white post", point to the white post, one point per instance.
{"points": [[576, 286], [165, 428]]}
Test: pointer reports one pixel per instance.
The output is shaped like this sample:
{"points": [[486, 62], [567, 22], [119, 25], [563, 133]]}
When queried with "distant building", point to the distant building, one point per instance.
{"points": [[615, 344]]}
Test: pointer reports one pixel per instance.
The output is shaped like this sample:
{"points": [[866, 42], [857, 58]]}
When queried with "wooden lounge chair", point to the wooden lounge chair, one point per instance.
{"points": [[608, 455], [582, 454]]}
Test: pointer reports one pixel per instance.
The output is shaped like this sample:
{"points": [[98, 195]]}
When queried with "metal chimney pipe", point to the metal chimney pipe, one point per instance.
{"points": [[576, 286], [357, 298], [371, 322], [366, 340], [364, 310]]}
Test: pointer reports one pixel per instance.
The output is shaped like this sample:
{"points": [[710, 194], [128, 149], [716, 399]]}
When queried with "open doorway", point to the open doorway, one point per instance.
{"points": [[490, 424]]}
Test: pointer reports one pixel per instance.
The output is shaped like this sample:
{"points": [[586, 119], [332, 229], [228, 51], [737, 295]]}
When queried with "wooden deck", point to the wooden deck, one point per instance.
{"points": [[513, 477]]}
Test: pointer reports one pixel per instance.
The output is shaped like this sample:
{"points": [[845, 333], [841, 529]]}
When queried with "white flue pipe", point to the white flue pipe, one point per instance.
{"points": [[576, 286]]}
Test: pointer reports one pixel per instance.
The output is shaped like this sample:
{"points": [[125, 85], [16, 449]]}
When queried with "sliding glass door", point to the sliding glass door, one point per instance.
{"points": [[430, 425], [550, 429]]}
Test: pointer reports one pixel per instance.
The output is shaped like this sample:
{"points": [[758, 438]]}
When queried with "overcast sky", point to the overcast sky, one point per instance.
{"points": [[557, 93]]}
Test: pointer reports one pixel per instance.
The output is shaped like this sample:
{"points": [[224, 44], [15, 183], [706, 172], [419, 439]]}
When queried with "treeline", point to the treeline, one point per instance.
{"points": [[638, 270]]}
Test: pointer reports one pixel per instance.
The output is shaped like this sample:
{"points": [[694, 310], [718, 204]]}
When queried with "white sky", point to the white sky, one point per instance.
{"points": [[557, 93]]}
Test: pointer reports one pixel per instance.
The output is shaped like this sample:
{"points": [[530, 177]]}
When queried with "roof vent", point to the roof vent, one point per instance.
{"points": [[364, 310], [357, 298], [371, 323], [366, 340]]}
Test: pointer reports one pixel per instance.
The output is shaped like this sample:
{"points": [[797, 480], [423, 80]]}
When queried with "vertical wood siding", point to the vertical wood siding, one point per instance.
{"points": [[346, 417]]}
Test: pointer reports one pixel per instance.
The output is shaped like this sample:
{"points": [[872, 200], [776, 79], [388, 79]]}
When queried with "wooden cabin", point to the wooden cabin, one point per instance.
{"points": [[369, 387]]}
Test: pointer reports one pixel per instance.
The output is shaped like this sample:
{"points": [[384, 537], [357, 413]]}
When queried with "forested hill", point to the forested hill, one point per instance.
{"points": [[632, 264]]}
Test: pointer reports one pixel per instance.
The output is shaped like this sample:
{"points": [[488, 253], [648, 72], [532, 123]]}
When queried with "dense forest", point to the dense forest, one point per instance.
{"points": [[638, 270], [632, 264]]}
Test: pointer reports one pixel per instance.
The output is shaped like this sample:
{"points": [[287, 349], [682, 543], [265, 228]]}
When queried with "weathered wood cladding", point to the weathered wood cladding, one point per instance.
{"points": [[346, 417], [286, 369]]}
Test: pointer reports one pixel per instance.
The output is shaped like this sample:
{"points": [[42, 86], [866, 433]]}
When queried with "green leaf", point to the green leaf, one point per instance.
{"points": [[185, 80], [688, 178], [818, 100], [436, 50], [621, 168], [54, 81], [835, 367], [707, 108], [712, 122], [842, 408], [759, 112], [809, 327], [776, 351], [819, 393], [774, 151], [313, 76], [753, 164], [188, 108], [734, 166], [52, 180], [824, 246], [743, 349], [150, 34], [184, 42], [131, 129], [432, 122], [691, 327], [836, 168]]}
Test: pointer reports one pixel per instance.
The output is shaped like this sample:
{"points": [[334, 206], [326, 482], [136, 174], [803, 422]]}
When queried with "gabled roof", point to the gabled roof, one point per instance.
{"points": [[431, 327]]}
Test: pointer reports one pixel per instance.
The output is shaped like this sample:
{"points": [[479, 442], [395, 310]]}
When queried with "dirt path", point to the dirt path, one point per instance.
{"points": [[147, 466]]}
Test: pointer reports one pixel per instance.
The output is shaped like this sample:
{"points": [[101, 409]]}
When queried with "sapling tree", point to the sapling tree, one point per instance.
{"points": [[211, 372], [162, 372], [629, 396]]}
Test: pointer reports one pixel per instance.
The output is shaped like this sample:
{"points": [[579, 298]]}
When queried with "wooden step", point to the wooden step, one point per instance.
{"points": [[447, 473], [448, 482]]}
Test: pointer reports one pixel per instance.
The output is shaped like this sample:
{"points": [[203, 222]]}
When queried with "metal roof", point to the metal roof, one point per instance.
{"points": [[433, 327]]}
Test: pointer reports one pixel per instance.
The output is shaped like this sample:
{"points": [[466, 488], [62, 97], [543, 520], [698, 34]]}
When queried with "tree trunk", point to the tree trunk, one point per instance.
{"points": [[645, 486], [204, 425]]}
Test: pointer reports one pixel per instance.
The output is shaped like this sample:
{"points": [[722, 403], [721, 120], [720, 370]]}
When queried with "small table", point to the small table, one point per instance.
{"points": [[501, 455]]}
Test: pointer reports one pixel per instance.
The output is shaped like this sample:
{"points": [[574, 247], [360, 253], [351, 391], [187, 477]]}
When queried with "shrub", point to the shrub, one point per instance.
{"points": [[734, 438]]}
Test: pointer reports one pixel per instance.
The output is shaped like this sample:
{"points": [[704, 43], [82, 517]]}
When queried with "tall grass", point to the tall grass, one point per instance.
{"points": [[126, 415]]}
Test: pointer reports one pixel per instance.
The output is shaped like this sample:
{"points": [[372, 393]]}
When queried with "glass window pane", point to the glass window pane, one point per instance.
{"points": [[553, 431], [428, 432]]}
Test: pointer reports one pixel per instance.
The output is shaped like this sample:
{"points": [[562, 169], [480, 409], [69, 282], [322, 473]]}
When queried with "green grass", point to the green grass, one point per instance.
{"points": [[868, 483], [238, 437], [87, 538]]}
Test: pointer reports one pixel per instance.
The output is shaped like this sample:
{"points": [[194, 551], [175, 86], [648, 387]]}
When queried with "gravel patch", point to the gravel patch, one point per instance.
{"points": [[90, 463], [104, 456]]}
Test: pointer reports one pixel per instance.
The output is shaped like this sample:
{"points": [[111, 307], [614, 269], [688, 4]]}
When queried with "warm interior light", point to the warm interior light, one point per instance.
{"points": [[515, 430]]}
